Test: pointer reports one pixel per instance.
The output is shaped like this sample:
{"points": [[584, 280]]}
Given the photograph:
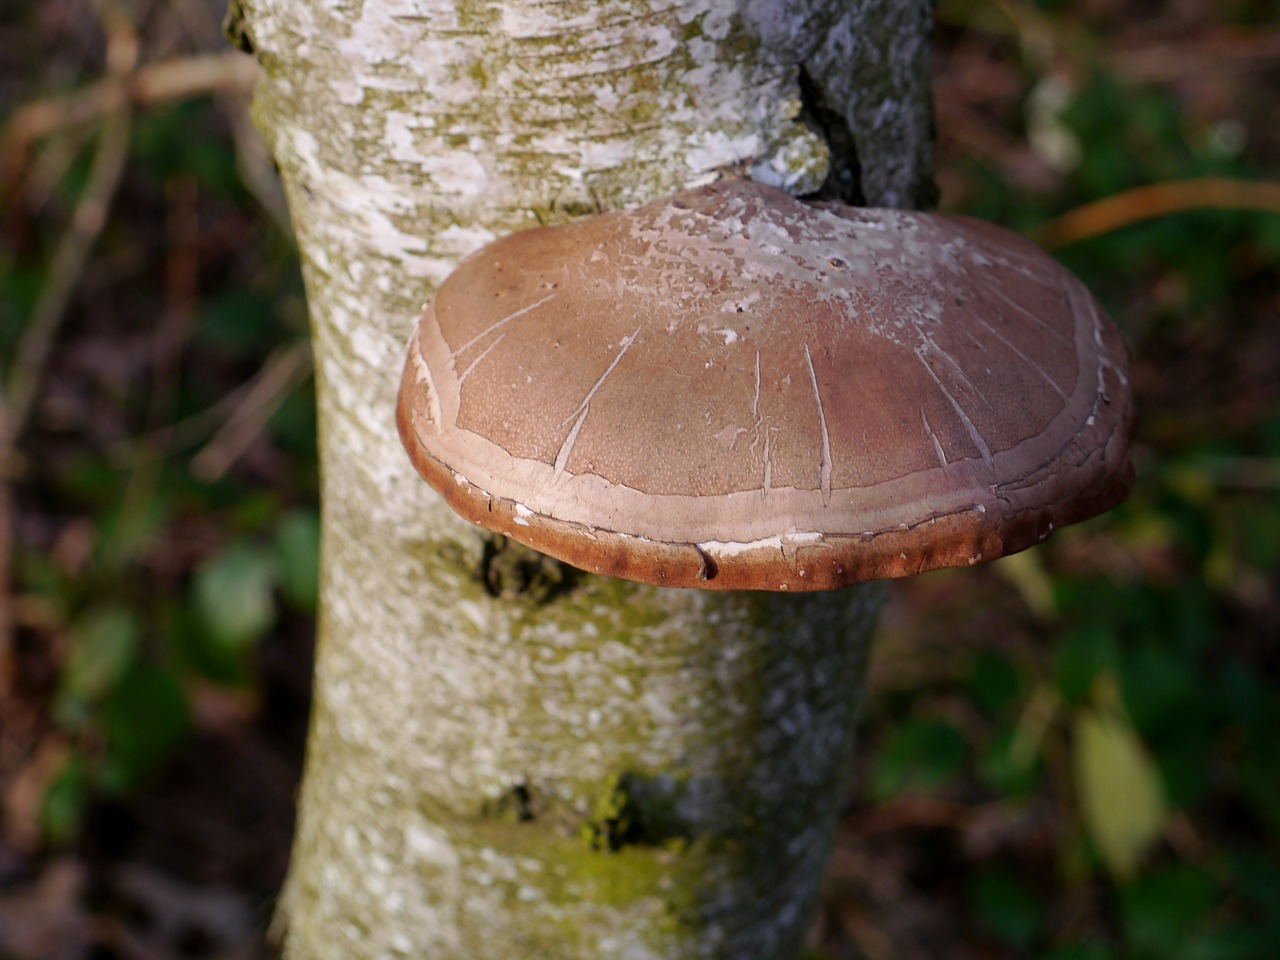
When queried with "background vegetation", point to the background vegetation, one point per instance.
{"points": [[1071, 754]]}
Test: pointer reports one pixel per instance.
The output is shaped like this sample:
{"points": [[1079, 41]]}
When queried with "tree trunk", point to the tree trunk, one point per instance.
{"points": [[509, 759]]}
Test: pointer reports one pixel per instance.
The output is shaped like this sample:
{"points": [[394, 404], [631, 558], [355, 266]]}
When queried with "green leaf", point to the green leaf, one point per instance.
{"points": [[293, 427], [1160, 911], [1083, 654], [1009, 769], [1121, 796], [1258, 876], [1085, 950], [131, 526], [921, 755], [994, 684], [1007, 907], [64, 801], [233, 595], [103, 645], [1011, 759], [177, 139], [236, 319], [146, 719], [298, 555]]}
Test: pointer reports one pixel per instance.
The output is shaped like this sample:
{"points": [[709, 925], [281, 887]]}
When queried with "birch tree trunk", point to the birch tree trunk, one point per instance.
{"points": [[509, 759]]}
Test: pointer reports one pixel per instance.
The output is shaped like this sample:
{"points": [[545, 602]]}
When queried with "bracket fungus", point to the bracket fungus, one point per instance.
{"points": [[733, 389]]}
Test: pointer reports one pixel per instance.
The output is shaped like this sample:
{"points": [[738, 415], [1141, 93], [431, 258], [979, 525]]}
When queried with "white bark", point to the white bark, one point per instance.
{"points": [[474, 758]]}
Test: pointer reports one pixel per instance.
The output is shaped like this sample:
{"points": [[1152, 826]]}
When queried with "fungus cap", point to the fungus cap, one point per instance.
{"points": [[733, 389]]}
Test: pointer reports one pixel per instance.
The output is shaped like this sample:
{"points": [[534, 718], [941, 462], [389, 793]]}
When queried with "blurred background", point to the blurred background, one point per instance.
{"points": [[1071, 754]]}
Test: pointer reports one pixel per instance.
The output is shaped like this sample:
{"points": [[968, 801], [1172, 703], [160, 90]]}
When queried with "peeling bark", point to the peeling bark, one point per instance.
{"points": [[510, 759]]}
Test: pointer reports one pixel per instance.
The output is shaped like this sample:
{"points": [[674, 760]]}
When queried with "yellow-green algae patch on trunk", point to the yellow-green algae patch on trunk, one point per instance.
{"points": [[588, 768]]}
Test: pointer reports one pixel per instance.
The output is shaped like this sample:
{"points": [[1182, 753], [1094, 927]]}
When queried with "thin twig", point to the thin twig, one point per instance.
{"points": [[192, 76], [255, 166], [73, 250], [285, 369], [194, 429], [1157, 200], [87, 222], [171, 333], [157, 82], [1226, 47], [48, 167], [182, 296]]}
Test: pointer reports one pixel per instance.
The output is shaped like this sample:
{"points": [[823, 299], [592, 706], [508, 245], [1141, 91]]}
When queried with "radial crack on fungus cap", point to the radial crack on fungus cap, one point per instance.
{"points": [[732, 389]]}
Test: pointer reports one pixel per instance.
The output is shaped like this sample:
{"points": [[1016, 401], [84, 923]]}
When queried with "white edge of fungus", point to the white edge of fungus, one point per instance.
{"points": [[729, 548]]}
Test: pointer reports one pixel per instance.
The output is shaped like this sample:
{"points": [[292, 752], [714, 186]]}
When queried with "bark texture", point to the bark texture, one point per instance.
{"points": [[509, 759]]}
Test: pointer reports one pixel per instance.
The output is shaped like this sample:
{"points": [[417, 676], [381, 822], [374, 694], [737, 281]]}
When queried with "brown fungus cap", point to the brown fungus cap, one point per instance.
{"points": [[732, 389]]}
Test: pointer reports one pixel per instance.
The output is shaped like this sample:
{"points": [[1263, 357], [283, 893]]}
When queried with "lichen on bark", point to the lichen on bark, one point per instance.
{"points": [[505, 761]]}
